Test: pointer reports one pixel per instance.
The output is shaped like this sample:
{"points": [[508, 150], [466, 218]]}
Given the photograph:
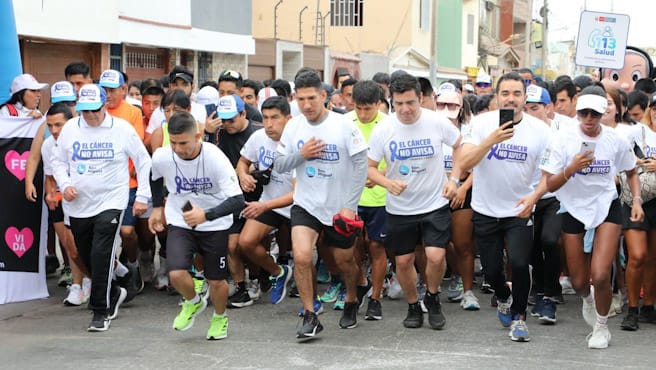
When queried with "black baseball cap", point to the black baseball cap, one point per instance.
{"points": [[183, 73]]}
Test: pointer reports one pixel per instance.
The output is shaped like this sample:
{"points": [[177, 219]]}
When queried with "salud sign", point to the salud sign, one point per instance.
{"points": [[602, 40]]}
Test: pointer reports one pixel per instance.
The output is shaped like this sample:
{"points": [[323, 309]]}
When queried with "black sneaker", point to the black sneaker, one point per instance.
{"points": [[293, 290], [630, 322], [311, 326], [415, 318], [647, 314], [486, 288], [349, 318], [240, 299], [436, 319], [361, 292], [548, 312], [538, 306], [52, 263], [100, 322], [129, 283], [374, 310], [116, 303]]}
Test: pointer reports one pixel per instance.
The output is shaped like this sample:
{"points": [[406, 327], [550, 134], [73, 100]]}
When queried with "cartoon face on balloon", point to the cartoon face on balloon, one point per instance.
{"points": [[637, 65]]}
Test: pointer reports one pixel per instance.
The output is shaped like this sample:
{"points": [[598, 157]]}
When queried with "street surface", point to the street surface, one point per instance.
{"points": [[47, 335]]}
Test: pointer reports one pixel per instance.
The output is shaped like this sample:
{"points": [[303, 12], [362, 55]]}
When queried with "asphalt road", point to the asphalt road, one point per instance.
{"points": [[45, 334]]}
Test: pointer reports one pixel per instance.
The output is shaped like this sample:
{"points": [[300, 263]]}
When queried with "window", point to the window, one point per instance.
{"points": [[424, 16], [116, 57], [144, 59], [346, 13]]}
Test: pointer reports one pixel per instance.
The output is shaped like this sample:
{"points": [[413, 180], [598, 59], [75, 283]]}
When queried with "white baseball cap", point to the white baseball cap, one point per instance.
{"points": [[207, 95], [25, 82], [62, 91]]}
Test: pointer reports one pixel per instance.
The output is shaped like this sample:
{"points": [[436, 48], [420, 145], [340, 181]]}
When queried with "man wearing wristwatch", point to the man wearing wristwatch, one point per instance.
{"points": [[203, 194], [410, 141]]}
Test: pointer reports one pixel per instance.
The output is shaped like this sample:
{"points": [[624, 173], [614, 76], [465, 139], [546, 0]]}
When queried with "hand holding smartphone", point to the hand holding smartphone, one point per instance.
{"points": [[587, 146], [186, 208], [506, 115], [210, 108]]}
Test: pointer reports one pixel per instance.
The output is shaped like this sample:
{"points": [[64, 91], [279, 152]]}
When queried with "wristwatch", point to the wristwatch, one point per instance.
{"points": [[455, 180]]}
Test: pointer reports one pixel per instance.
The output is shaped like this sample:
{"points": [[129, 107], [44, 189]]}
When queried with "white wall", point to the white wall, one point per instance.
{"points": [[77, 20], [176, 12], [470, 52]]}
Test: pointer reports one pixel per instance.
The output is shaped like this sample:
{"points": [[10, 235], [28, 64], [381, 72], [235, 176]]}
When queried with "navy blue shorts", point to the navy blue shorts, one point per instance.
{"points": [[374, 222], [128, 217]]}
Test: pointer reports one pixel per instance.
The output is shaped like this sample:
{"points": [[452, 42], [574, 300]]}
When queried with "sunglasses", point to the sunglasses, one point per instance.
{"points": [[449, 106], [483, 84], [585, 112], [230, 73]]}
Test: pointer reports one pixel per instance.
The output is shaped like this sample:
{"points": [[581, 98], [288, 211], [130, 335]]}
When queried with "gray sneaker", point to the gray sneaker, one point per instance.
{"points": [[455, 291]]}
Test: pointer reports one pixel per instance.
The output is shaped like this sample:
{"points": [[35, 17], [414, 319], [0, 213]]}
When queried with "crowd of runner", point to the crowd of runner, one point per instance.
{"points": [[382, 187]]}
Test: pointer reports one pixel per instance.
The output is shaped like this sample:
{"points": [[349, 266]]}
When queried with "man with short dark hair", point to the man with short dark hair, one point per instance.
{"points": [[203, 193], [249, 92], [230, 83], [90, 164], [329, 155], [78, 73], [272, 210], [383, 80], [427, 94], [565, 96], [410, 141], [505, 157], [347, 94]]}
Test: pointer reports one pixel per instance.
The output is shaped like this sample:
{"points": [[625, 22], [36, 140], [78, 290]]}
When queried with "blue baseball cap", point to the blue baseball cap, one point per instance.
{"points": [[536, 94], [92, 97], [230, 106], [62, 91], [111, 78]]}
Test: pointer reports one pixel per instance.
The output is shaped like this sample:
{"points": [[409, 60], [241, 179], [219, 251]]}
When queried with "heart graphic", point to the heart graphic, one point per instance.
{"points": [[15, 163], [19, 241]]}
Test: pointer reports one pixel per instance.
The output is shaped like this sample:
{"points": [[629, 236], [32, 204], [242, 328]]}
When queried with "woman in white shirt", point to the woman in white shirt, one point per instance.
{"points": [[25, 98], [580, 164]]}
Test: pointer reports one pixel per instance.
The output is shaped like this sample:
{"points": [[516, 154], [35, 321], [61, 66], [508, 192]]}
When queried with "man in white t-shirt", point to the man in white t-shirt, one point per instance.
{"points": [[505, 157], [329, 154], [90, 164], [272, 210], [203, 193], [410, 141]]}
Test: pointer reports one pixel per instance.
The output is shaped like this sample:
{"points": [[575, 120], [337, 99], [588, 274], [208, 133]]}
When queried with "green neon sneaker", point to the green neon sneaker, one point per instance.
{"points": [[201, 287], [185, 318], [218, 328]]}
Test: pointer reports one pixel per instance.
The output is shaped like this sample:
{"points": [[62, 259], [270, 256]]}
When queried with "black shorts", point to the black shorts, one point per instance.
{"points": [[273, 219], [374, 222], [649, 223], [404, 233], [331, 238], [574, 226], [57, 215], [467, 203], [237, 224], [181, 244]]}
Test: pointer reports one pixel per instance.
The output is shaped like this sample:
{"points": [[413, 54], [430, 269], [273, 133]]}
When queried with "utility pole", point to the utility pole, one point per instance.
{"points": [[275, 20], [300, 23], [544, 12], [433, 40]]}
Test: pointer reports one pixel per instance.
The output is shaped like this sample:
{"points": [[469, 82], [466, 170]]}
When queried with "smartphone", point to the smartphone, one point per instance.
{"points": [[506, 115], [187, 207], [638, 152], [210, 108], [587, 146]]}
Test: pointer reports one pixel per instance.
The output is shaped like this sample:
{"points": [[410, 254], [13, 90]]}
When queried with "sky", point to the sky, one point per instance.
{"points": [[564, 18]]}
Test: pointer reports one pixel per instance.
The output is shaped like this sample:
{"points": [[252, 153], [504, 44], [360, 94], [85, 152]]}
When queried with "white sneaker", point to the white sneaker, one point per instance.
{"points": [[599, 338], [86, 289], [254, 291], [161, 277], [566, 285], [589, 312], [616, 305], [469, 302], [394, 291], [75, 295]]}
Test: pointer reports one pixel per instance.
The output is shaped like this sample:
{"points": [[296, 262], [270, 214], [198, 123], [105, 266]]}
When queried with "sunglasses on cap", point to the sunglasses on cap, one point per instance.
{"points": [[483, 84], [585, 112], [449, 106], [231, 73]]}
